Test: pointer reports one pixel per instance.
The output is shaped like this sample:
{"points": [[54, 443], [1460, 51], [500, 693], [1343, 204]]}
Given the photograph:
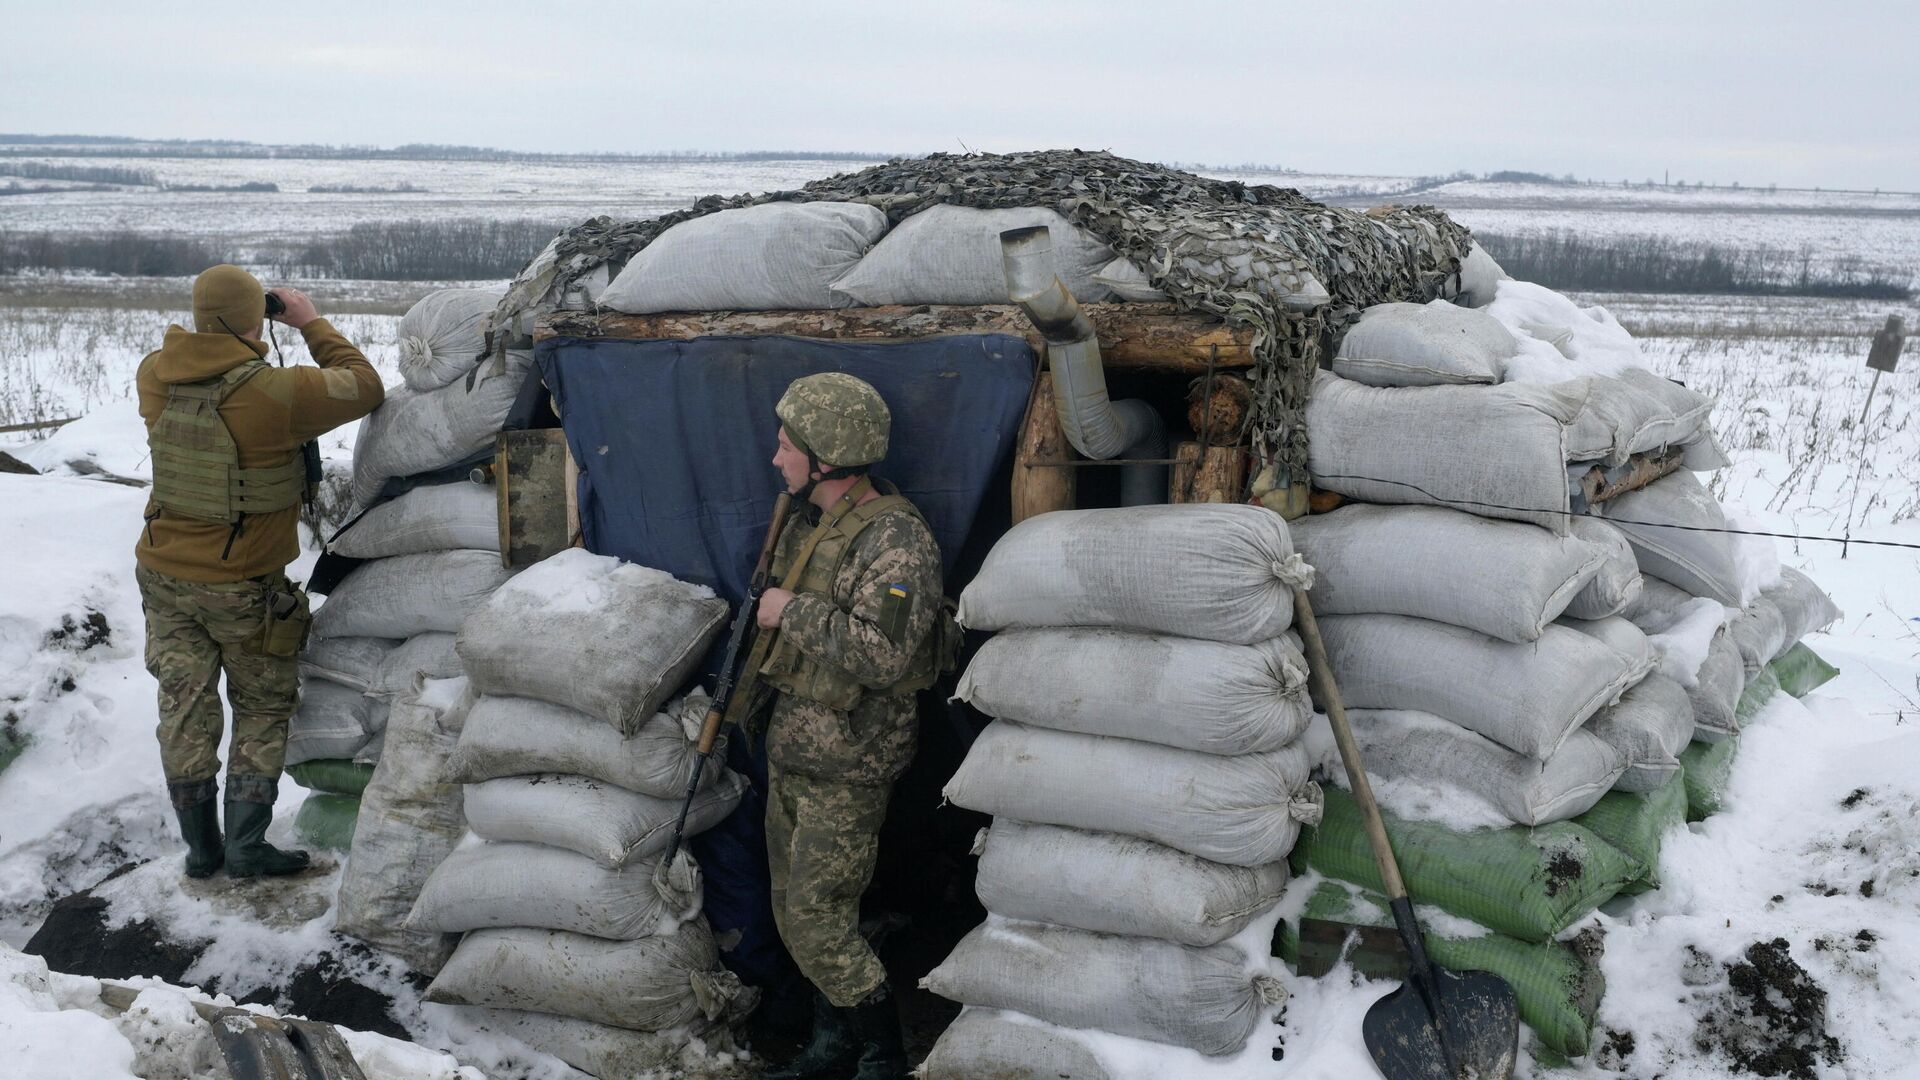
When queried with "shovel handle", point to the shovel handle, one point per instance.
{"points": [[1321, 672]]}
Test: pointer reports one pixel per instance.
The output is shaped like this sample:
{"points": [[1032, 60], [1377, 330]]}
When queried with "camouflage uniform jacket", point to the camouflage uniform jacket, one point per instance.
{"points": [[872, 626]]}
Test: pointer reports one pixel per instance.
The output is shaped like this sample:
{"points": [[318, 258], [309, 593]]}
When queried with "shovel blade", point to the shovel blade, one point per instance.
{"points": [[1477, 1035]]}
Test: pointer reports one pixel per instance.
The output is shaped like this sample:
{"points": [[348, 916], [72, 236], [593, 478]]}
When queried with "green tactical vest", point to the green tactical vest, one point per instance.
{"points": [[791, 671], [196, 464]]}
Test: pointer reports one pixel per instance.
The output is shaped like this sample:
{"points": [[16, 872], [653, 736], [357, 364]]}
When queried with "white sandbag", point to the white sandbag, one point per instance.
{"points": [[1622, 637], [1804, 607], [1528, 698], [1691, 555], [1206, 999], [430, 654], [992, 1044], [1117, 884], [1243, 811], [949, 254], [1480, 278], [1682, 646], [410, 594], [1633, 412], [509, 736], [352, 661], [1507, 579], [492, 885], [1617, 583], [1235, 566], [1433, 344], [1175, 691], [1529, 791], [1661, 604], [773, 256], [1760, 633], [608, 1052], [1716, 693], [649, 984], [370, 753], [1126, 281], [333, 721], [1649, 726], [418, 431], [1495, 451], [444, 335], [609, 824], [611, 639], [436, 517], [409, 821]]}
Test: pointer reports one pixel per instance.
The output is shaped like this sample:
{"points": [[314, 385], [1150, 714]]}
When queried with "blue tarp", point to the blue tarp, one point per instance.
{"points": [[675, 442]]}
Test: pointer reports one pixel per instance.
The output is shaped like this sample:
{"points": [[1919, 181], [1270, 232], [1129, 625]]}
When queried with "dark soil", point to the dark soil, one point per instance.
{"points": [[1854, 799], [1563, 870], [85, 634], [1772, 1019]]}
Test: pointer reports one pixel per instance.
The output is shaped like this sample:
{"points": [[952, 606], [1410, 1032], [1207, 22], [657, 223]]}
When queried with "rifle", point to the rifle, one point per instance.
{"points": [[743, 622]]}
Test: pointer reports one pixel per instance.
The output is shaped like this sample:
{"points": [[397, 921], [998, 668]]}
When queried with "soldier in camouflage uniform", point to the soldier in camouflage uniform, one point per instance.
{"points": [[845, 643], [225, 429]]}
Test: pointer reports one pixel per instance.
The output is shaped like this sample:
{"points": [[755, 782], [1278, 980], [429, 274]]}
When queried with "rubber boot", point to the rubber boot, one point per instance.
{"points": [[883, 1049], [830, 1053], [199, 814], [249, 812]]}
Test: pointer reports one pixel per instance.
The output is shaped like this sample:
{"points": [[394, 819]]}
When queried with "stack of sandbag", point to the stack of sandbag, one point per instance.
{"points": [[453, 399], [1144, 775], [573, 765]]}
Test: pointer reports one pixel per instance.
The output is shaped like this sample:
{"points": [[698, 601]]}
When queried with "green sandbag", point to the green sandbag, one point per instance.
{"points": [[1759, 690], [1558, 986], [1637, 823], [1530, 883], [334, 775], [326, 820], [1801, 671], [1706, 768]]}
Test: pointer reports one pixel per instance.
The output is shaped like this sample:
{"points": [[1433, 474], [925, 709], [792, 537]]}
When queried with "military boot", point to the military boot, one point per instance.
{"points": [[249, 812], [830, 1053], [199, 814], [883, 1050]]}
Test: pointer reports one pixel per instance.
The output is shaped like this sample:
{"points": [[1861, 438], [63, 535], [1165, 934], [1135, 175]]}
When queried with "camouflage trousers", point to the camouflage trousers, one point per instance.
{"points": [[822, 839], [195, 632]]}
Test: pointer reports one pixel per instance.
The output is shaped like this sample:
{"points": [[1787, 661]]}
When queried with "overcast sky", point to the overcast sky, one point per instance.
{"points": [[1794, 93]]}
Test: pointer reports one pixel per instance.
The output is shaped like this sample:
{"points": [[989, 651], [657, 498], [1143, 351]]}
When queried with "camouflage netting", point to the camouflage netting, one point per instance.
{"points": [[1247, 253]]}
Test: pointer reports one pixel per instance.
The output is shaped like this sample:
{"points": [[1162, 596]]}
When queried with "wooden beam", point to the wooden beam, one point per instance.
{"points": [[1138, 337], [1038, 490], [1208, 474]]}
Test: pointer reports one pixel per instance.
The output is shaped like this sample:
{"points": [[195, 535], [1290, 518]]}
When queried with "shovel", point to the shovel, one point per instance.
{"points": [[1439, 1025]]}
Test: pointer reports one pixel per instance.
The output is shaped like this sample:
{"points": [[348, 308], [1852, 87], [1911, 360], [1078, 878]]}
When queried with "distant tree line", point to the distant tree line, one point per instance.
{"points": [[91, 174], [122, 251], [1656, 264], [456, 249]]}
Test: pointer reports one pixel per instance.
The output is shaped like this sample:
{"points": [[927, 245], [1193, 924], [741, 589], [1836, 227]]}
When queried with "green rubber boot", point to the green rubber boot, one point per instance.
{"points": [[249, 812], [199, 814], [883, 1050], [830, 1054]]}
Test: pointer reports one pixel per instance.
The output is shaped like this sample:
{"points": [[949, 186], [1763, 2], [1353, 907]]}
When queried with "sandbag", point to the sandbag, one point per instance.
{"points": [[649, 984], [1197, 695], [774, 256], [443, 336], [430, 654], [606, 823], [1205, 999], [1623, 638], [1126, 281], [1244, 810], [1694, 556], [992, 1044], [1660, 603], [409, 821], [1406, 445], [1634, 411], [1617, 584], [326, 820], [1116, 884], [435, 517], [1804, 607], [332, 721], [610, 639], [1707, 768], [507, 736], [1432, 344], [1527, 790], [332, 775], [949, 254], [1527, 883], [1506, 579], [493, 885], [1800, 671], [610, 1053], [416, 431], [1649, 726], [1759, 633], [1558, 987], [1480, 278], [1715, 694], [1528, 698], [350, 661], [1111, 568], [1637, 823], [410, 594]]}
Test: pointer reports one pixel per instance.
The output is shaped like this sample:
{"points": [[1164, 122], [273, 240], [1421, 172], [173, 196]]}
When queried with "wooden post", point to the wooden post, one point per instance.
{"points": [[1208, 474], [1038, 490]]}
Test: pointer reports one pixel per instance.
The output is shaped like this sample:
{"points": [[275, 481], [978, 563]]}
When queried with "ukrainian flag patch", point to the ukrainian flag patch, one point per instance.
{"points": [[897, 590], [894, 611]]}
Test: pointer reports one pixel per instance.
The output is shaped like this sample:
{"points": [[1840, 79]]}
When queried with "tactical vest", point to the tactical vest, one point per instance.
{"points": [[815, 569], [196, 464]]}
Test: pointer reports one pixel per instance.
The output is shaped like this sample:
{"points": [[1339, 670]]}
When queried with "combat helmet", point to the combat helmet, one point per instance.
{"points": [[837, 420]]}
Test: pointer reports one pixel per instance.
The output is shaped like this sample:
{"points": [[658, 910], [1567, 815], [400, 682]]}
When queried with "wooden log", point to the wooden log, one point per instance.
{"points": [[1039, 490], [1208, 474], [1219, 417], [1138, 337]]}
